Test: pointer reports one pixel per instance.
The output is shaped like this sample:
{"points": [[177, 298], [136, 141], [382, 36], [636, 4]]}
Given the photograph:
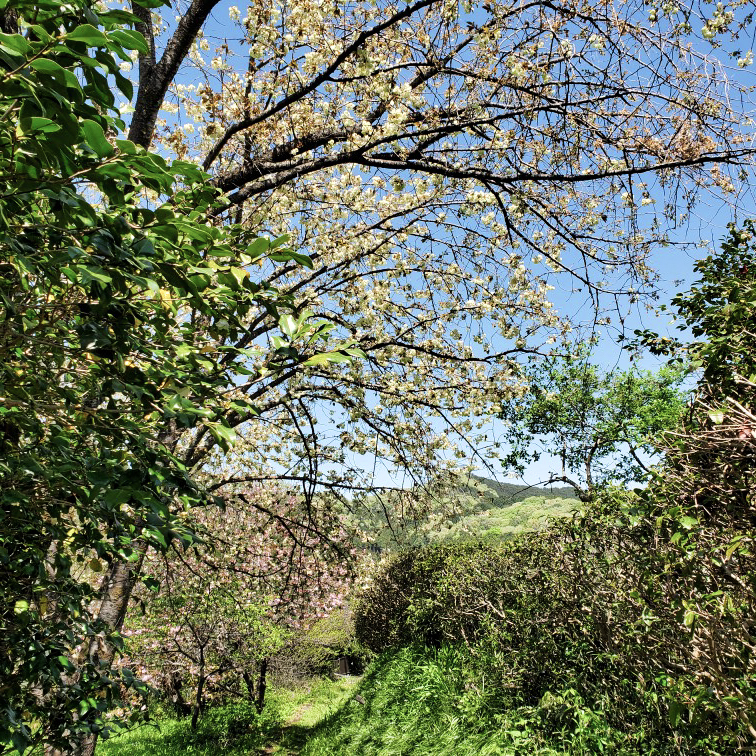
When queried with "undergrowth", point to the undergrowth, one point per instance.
{"points": [[437, 703], [237, 729], [234, 730]]}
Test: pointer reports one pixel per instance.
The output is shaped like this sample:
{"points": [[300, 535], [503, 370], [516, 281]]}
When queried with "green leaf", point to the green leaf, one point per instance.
{"points": [[45, 65], [66, 664], [287, 255], [233, 277], [326, 357], [21, 606], [688, 522], [89, 35], [258, 247], [222, 433], [130, 40], [94, 136], [114, 497], [288, 324], [733, 546], [126, 147], [14, 44], [38, 125], [675, 711], [280, 241], [717, 416], [89, 273]]}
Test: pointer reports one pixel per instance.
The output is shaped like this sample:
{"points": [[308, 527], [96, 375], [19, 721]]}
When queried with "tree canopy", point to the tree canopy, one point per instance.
{"points": [[116, 293], [444, 165], [600, 425]]}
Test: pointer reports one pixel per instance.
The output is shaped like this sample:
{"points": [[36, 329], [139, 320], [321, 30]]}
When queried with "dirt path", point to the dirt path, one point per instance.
{"points": [[281, 747]]}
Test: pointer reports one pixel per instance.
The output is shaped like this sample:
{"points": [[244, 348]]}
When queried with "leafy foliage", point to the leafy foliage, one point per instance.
{"points": [[643, 604], [549, 633], [702, 504], [115, 292], [219, 614], [599, 425]]}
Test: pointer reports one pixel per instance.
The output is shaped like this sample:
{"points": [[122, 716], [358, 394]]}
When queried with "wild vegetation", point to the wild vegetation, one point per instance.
{"points": [[642, 605], [320, 238]]}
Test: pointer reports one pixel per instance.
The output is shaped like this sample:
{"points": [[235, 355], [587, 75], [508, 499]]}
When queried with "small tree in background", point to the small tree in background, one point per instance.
{"points": [[602, 426]]}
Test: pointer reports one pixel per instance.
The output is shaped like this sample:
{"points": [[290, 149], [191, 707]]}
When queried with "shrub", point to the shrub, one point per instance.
{"points": [[550, 613]]}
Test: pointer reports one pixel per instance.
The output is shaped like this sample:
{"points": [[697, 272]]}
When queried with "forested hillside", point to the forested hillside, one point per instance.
{"points": [[494, 494], [453, 506]]}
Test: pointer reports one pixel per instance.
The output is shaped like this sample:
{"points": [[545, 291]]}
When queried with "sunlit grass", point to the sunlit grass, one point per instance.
{"points": [[237, 729]]}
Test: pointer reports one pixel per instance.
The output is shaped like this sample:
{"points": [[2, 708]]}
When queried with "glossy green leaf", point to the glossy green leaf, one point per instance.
{"points": [[37, 125], [95, 138], [45, 65], [88, 34], [130, 40], [14, 44]]}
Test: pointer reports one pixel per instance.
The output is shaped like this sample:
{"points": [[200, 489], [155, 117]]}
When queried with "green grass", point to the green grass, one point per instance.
{"points": [[306, 708], [436, 702], [410, 702], [421, 702], [237, 729], [232, 730]]}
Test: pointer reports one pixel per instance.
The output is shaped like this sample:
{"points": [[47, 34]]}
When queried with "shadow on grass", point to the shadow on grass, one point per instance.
{"points": [[292, 738], [234, 730]]}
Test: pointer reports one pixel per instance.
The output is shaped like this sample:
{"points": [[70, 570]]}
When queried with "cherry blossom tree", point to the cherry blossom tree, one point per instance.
{"points": [[446, 166], [213, 616]]}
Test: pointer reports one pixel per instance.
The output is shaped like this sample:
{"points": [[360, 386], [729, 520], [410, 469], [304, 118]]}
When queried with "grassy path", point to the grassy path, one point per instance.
{"points": [[291, 717], [307, 709]]}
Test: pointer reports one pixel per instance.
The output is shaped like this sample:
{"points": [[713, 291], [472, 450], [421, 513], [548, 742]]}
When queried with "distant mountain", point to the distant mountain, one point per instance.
{"points": [[493, 494]]}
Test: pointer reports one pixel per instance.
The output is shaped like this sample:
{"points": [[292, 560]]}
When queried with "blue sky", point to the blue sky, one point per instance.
{"points": [[701, 232]]}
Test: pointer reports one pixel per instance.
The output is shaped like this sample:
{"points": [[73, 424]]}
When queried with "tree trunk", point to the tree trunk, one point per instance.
{"points": [[116, 591], [200, 689], [261, 685], [181, 707], [250, 683]]}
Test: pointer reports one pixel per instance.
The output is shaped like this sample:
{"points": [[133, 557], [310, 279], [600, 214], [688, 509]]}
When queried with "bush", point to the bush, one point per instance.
{"points": [[550, 613], [644, 605], [315, 651]]}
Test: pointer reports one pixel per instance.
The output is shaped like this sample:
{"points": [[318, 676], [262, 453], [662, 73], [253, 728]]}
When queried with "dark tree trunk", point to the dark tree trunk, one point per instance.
{"points": [[9, 21], [180, 706], [250, 683], [261, 685], [200, 689]]}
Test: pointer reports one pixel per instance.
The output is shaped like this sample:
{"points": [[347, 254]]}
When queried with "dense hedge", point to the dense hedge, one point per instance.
{"points": [[561, 611], [645, 603]]}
